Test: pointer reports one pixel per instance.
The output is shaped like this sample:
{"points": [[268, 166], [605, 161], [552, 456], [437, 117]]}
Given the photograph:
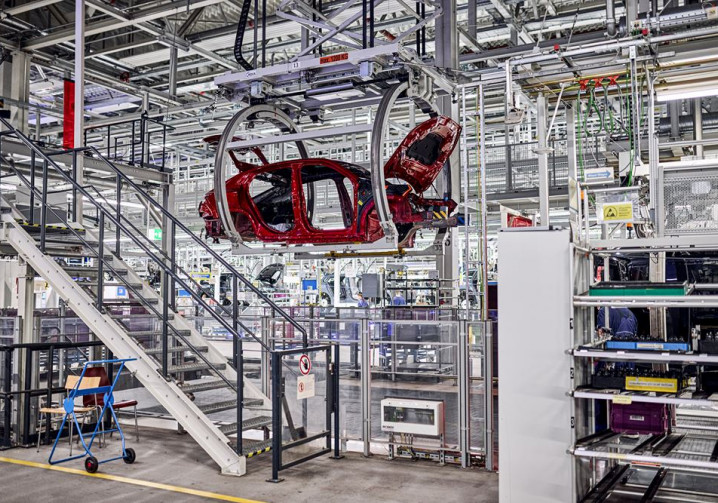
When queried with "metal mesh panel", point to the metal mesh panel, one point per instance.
{"points": [[691, 202], [523, 167]]}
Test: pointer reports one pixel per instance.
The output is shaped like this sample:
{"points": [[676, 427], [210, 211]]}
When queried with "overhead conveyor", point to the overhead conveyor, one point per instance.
{"points": [[280, 95]]}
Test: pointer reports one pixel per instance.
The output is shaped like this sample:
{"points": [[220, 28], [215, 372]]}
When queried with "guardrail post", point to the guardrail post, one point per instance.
{"points": [[164, 144], [489, 395], [173, 266], [118, 215], [265, 355], [463, 377], [27, 398], [276, 417], [43, 208], [7, 389], [31, 218], [48, 393], [337, 434], [74, 186], [239, 357], [165, 315], [132, 144], [101, 261]]}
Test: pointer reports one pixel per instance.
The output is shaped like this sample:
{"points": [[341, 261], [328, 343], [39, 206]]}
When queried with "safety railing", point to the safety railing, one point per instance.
{"points": [[163, 258], [408, 359], [137, 142], [305, 396], [514, 167], [45, 366]]}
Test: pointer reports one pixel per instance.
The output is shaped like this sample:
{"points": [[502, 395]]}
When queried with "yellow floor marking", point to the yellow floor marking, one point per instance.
{"points": [[127, 480]]}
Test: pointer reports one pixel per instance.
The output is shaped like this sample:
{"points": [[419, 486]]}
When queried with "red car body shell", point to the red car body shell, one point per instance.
{"points": [[409, 209]]}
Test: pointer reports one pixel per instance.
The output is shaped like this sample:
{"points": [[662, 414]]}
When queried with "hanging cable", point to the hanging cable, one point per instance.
{"points": [[239, 39]]}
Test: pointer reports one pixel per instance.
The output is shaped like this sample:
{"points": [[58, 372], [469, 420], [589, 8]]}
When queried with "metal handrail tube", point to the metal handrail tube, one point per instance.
{"points": [[101, 264], [201, 243], [137, 242]]}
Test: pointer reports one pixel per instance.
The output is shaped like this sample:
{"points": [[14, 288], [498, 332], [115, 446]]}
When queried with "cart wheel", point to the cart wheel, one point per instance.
{"points": [[91, 464], [129, 456]]}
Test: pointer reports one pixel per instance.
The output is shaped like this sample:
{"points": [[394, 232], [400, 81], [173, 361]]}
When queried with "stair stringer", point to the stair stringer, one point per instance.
{"points": [[168, 394], [251, 391]]}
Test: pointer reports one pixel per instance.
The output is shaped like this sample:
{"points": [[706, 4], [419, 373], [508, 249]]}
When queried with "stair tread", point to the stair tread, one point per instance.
{"points": [[253, 402], [204, 385], [106, 283], [171, 333], [248, 424], [177, 349], [189, 367], [170, 316], [90, 271], [211, 408], [218, 406], [135, 301]]}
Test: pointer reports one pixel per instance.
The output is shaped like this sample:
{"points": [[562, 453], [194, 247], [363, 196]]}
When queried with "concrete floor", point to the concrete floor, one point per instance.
{"points": [[165, 457]]}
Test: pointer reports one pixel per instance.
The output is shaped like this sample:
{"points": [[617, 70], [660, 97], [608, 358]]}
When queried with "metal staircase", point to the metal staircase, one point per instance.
{"points": [[187, 375]]}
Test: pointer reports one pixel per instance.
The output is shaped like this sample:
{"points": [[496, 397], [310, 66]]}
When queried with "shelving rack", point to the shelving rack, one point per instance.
{"points": [[608, 462], [435, 291]]}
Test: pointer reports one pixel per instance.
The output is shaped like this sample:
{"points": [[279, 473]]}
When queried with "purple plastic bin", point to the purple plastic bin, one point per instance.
{"points": [[645, 418]]}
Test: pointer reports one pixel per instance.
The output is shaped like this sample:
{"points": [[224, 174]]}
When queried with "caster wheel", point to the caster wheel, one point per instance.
{"points": [[129, 456], [91, 464]]}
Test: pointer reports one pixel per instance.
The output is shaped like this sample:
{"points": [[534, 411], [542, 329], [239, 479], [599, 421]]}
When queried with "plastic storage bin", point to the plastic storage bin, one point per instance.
{"points": [[639, 418]]}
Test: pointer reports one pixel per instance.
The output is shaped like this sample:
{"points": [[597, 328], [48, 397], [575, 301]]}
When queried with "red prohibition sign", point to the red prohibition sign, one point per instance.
{"points": [[305, 366]]}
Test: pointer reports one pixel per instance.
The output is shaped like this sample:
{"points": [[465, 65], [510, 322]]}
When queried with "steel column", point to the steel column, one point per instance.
{"points": [[79, 124], [100, 260], [365, 338], [276, 416], [264, 355], [698, 126]]}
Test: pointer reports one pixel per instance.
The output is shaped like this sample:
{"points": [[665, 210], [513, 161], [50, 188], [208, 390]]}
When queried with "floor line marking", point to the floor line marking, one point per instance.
{"points": [[127, 480]]}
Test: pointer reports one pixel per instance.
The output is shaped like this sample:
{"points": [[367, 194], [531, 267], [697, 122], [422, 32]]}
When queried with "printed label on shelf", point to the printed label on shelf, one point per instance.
{"points": [[622, 399], [617, 212], [658, 384], [649, 345]]}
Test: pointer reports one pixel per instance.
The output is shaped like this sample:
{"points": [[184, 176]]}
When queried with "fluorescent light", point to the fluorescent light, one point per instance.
{"points": [[686, 91]]}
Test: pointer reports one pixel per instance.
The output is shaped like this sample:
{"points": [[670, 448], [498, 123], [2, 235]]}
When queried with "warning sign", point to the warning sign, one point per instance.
{"points": [[305, 387], [305, 365], [617, 212]]}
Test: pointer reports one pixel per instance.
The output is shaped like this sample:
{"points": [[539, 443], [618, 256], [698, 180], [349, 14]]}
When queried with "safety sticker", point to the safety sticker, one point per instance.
{"points": [[617, 212]]}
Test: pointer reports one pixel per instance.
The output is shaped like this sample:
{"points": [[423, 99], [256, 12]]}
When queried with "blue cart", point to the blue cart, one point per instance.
{"points": [[91, 387]]}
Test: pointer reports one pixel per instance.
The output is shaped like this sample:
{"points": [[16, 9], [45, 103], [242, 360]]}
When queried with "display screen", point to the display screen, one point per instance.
{"points": [[408, 415]]}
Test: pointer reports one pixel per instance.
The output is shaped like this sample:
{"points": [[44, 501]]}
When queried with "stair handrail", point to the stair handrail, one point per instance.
{"points": [[176, 222], [129, 285], [138, 190], [159, 252]]}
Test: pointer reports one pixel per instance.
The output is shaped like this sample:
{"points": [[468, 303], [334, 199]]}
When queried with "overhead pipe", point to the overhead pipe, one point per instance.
{"points": [[685, 122], [611, 18]]}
